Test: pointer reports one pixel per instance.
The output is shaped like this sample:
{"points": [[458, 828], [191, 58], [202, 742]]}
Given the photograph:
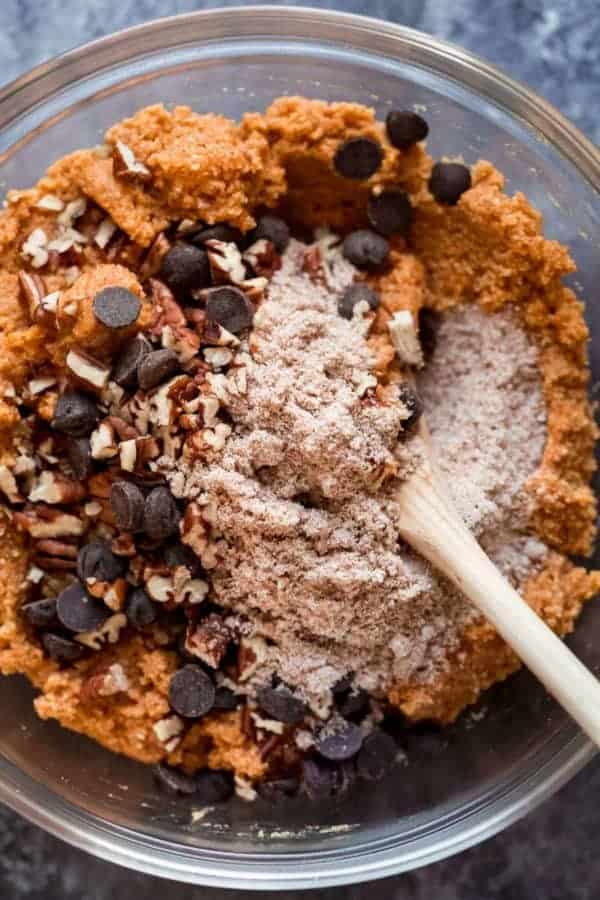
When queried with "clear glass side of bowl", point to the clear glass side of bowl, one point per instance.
{"points": [[489, 769]]}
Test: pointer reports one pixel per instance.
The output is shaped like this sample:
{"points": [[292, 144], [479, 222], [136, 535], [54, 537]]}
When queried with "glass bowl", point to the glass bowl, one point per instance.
{"points": [[487, 773]]}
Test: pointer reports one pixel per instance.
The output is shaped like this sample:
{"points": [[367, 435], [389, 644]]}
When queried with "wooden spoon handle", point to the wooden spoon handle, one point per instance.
{"points": [[430, 524]]}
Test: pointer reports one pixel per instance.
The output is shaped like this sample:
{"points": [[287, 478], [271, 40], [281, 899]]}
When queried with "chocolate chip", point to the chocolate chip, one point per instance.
{"points": [[78, 611], [127, 504], [76, 414], [173, 780], [271, 228], [61, 648], [342, 744], [126, 366], [161, 516], [409, 397], [185, 268], [79, 454], [191, 692], [354, 705], [448, 181], [365, 249], [139, 608], [156, 367], [226, 699], [390, 212], [405, 128], [320, 779], [218, 232], [354, 294], [40, 613], [376, 756], [358, 157], [96, 560], [230, 308], [214, 786], [278, 790], [116, 307], [281, 704]]}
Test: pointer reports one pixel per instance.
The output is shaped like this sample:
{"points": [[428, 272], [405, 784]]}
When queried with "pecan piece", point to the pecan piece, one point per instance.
{"points": [[126, 166], [44, 522], [53, 487], [225, 260], [105, 681], [209, 640], [53, 555], [159, 247], [263, 258]]}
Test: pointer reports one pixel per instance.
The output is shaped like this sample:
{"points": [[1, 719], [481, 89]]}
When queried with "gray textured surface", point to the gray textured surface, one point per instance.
{"points": [[554, 45]]}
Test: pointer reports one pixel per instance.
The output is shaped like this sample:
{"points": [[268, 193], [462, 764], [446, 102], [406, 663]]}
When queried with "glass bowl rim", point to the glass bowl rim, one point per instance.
{"points": [[342, 865]]}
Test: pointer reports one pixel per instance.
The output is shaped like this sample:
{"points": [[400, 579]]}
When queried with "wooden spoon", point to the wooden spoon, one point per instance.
{"points": [[430, 524]]}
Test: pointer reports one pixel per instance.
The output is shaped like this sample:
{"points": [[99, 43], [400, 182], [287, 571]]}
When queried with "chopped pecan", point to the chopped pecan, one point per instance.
{"points": [[105, 681], [159, 247], [218, 357], [54, 487], [8, 485], [86, 370], [196, 318], [123, 545], [169, 732], [208, 640], [36, 247], [103, 442], [254, 288], [252, 652], [53, 555], [184, 342], [100, 484], [33, 290], [105, 232], [226, 264], [44, 522], [107, 633], [40, 384], [263, 258], [166, 309], [312, 264], [124, 251], [113, 593], [123, 429], [125, 165]]}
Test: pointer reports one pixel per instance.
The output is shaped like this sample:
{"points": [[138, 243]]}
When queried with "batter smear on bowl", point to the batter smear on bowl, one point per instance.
{"points": [[216, 342]]}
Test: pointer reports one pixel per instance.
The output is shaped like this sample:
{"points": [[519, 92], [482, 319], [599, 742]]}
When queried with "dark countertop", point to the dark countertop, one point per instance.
{"points": [[553, 45]]}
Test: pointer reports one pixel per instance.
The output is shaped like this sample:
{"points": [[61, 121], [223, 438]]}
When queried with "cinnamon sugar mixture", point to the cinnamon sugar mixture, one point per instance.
{"points": [[310, 552]]}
